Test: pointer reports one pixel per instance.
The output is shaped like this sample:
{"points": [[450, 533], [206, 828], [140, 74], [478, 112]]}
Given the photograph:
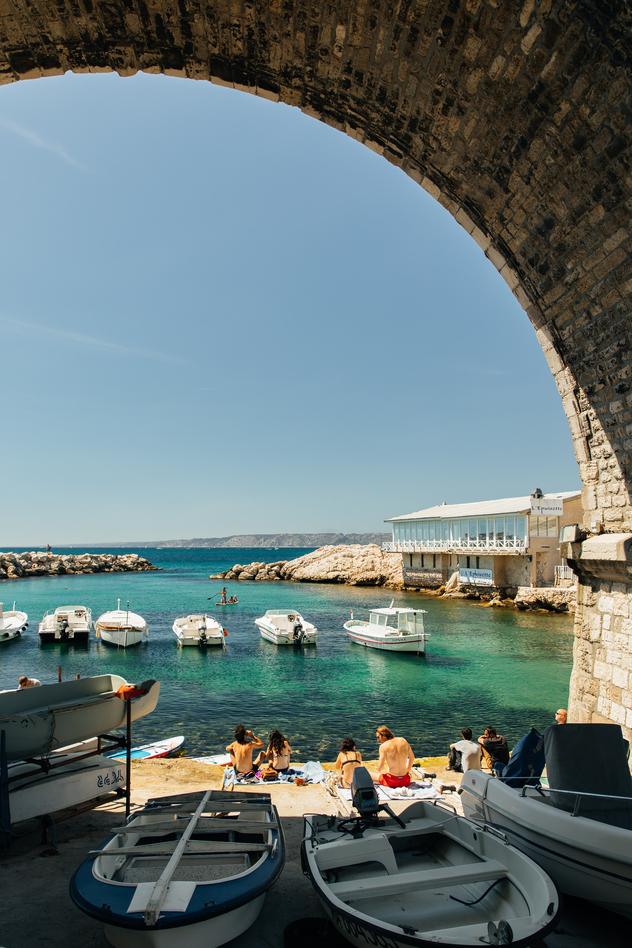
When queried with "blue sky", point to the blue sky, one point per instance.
{"points": [[220, 316]]}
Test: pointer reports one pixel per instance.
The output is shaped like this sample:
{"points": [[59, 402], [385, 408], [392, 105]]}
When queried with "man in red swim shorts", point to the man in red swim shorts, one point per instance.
{"points": [[396, 759]]}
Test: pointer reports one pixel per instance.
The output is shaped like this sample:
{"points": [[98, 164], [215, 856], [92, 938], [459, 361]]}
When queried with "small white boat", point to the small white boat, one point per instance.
{"points": [[121, 627], [392, 629], [199, 630], [68, 780], [439, 880], [12, 623], [66, 624], [190, 871], [37, 721], [286, 628], [582, 837]]}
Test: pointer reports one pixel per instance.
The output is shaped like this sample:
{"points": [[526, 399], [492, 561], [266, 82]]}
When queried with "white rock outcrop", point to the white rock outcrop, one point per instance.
{"points": [[353, 565], [19, 565]]}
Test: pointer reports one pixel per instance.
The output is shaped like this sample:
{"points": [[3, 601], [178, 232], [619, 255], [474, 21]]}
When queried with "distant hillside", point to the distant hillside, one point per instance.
{"points": [[278, 540]]}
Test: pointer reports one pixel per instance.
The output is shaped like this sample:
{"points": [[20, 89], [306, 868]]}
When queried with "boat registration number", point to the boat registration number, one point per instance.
{"points": [[111, 779], [349, 928]]}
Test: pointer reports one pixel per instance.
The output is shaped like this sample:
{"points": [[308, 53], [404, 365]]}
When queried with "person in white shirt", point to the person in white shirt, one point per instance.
{"points": [[25, 682], [469, 750]]}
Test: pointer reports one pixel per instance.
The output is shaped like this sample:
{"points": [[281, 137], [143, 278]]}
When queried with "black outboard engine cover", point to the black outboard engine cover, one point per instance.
{"points": [[363, 793]]}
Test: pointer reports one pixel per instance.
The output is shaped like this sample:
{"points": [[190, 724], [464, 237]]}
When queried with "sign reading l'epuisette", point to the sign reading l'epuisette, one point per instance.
{"points": [[547, 506]]}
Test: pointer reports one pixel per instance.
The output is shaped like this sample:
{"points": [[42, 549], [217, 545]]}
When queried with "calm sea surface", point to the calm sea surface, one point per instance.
{"points": [[483, 666]]}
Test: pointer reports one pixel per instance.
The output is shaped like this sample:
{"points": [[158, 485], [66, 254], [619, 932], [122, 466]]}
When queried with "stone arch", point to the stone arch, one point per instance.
{"points": [[516, 117]]}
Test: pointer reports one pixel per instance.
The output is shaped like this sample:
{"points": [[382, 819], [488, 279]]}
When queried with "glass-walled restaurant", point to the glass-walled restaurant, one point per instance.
{"points": [[474, 533]]}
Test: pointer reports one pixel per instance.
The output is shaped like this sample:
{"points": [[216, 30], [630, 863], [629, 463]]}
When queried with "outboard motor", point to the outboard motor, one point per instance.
{"points": [[366, 801], [64, 630], [202, 641], [299, 634]]}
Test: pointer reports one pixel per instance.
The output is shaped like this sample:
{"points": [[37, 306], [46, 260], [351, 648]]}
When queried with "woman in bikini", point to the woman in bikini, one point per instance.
{"points": [[277, 754], [347, 760]]}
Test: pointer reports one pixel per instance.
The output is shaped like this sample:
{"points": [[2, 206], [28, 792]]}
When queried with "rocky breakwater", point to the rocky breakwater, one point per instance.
{"points": [[353, 565], [24, 565]]}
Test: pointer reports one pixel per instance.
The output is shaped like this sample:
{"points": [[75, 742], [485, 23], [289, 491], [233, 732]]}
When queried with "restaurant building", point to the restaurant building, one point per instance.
{"points": [[501, 544]]}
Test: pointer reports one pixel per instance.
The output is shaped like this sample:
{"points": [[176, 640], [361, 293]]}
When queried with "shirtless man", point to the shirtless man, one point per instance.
{"points": [[396, 759], [241, 751]]}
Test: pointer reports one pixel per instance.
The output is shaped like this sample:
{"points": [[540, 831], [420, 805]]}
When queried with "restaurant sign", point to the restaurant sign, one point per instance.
{"points": [[476, 577], [547, 506]]}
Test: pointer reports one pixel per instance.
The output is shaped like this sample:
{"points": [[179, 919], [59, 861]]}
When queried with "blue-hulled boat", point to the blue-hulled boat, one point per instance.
{"points": [[190, 870]]}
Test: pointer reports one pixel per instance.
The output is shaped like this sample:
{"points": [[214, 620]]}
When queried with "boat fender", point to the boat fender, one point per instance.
{"points": [[129, 692], [225, 631]]}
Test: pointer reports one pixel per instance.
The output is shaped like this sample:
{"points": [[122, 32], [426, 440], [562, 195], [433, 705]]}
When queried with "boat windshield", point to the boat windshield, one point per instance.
{"points": [[411, 621], [379, 618]]}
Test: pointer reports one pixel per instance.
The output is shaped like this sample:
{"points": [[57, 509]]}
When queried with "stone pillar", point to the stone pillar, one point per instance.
{"points": [[601, 681]]}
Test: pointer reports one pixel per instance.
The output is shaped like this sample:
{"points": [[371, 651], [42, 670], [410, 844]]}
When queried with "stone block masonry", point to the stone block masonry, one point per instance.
{"points": [[515, 116]]}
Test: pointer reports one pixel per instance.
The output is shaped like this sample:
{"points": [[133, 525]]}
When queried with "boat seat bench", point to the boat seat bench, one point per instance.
{"points": [[192, 846], [431, 878], [203, 823]]}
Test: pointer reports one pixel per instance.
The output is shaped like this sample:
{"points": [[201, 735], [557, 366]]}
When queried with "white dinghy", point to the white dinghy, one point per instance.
{"points": [[393, 629], [121, 627], [37, 721], [66, 624], [12, 623], [66, 780], [286, 628], [199, 630], [426, 878], [189, 871], [579, 829]]}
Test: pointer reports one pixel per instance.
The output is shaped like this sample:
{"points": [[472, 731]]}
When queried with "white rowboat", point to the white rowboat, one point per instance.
{"points": [[393, 629], [199, 630], [440, 881], [121, 627], [286, 628], [12, 623]]}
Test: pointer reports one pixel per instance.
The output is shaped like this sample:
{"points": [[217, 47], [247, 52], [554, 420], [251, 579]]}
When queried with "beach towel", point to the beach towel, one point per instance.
{"points": [[416, 791]]}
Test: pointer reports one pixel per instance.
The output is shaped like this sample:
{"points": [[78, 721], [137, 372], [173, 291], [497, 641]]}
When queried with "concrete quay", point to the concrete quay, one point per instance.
{"points": [[37, 911]]}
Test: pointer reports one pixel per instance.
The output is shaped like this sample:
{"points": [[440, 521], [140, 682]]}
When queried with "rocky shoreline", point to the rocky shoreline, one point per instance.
{"points": [[369, 565], [25, 565]]}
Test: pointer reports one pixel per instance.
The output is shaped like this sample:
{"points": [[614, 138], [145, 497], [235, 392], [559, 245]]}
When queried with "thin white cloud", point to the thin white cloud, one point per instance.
{"points": [[28, 135], [92, 342]]}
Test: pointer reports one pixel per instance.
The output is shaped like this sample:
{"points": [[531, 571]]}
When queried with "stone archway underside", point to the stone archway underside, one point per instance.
{"points": [[516, 116]]}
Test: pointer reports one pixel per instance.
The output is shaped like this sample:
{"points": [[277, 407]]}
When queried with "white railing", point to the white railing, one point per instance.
{"points": [[564, 574], [455, 546]]}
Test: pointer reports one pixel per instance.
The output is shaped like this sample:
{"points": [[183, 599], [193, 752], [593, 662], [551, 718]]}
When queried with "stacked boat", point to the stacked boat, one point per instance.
{"points": [[121, 627], [66, 624], [190, 870], [12, 623], [284, 627], [199, 630]]}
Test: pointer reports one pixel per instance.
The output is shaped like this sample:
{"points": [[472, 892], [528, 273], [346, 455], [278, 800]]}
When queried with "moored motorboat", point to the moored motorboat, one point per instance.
{"points": [[66, 624], [438, 879], [199, 630], [579, 828], [40, 720], [391, 629], [283, 627], [121, 627], [191, 871], [164, 748], [13, 623]]}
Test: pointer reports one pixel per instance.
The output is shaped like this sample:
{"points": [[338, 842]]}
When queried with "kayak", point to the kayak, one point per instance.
{"points": [[150, 751]]}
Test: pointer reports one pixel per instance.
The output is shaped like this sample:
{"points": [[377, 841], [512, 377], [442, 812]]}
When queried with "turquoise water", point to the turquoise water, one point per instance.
{"points": [[483, 666]]}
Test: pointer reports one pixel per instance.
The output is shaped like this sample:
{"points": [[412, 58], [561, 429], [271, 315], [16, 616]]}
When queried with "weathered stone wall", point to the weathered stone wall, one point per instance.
{"points": [[514, 115], [418, 577]]}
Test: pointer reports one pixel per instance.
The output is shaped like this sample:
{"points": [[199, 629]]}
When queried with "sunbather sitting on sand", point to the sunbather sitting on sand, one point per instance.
{"points": [[347, 760], [396, 759], [277, 754], [241, 751]]}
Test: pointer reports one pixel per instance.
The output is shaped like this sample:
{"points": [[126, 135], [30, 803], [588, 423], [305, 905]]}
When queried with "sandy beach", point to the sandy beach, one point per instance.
{"points": [[34, 877]]}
